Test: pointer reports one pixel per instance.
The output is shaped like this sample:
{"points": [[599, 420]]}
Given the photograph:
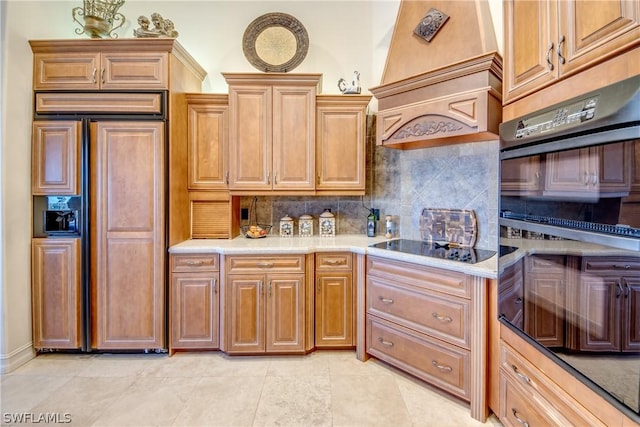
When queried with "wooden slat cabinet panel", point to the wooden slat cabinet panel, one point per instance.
{"points": [[128, 235], [55, 157], [335, 296], [56, 293]]}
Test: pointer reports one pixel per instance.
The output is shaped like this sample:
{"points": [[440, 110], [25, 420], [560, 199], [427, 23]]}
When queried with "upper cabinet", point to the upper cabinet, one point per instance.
{"points": [[208, 127], [546, 41], [272, 132], [55, 153], [101, 70], [341, 143]]}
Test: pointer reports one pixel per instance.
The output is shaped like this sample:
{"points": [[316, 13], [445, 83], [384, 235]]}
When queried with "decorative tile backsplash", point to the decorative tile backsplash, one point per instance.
{"points": [[403, 183]]}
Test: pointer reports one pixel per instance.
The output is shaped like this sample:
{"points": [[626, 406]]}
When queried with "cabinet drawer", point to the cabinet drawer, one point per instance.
{"points": [[541, 388], [441, 316], [445, 366], [419, 276], [195, 262], [517, 408], [267, 263], [333, 261], [613, 265]]}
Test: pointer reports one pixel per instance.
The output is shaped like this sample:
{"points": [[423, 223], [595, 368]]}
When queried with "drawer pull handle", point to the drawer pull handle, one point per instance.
{"points": [[624, 267], [265, 264], [383, 342], [194, 262], [443, 368], [518, 301], [518, 419], [215, 286], [385, 300], [520, 374], [335, 261], [444, 319]]}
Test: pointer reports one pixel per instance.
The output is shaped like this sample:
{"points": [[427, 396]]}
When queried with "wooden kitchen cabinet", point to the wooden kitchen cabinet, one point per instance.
{"points": [[55, 158], [607, 306], [585, 172], [546, 41], [89, 66], [335, 300], [341, 143], [544, 284], [208, 127], [272, 132], [194, 307], [265, 304], [56, 293], [127, 234], [422, 319]]}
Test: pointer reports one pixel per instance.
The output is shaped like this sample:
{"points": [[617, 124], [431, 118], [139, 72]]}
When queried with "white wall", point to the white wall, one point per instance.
{"points": [[343, 36]]}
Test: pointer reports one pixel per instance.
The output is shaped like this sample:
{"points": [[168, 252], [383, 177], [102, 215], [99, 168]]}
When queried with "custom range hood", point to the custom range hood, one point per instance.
{"points": [[442, 82]]}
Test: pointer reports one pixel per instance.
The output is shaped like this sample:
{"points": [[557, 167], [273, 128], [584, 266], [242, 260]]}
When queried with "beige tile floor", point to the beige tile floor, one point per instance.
{"points": [[324, 388]]}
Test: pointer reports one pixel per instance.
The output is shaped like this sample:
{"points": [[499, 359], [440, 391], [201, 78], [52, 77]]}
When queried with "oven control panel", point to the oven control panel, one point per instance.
{"points": [[559, 119]]}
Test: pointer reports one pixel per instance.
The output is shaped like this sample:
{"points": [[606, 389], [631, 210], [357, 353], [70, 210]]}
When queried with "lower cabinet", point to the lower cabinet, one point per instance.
{"points": [[334, 303], [265, 304], [56, 293], [194, 321], [431, 323]]}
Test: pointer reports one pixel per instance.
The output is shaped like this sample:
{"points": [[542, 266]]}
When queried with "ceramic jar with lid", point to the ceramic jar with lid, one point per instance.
{"points": [[327, 224], [305, 226], [286, 226]]}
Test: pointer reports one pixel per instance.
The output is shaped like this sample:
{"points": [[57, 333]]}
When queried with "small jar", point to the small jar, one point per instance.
{"points": [[286, 226], [327, 224], [305, 226]]}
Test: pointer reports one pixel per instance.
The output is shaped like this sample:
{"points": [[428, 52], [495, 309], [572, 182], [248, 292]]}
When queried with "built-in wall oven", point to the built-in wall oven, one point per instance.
{"points": [[570, 214]]}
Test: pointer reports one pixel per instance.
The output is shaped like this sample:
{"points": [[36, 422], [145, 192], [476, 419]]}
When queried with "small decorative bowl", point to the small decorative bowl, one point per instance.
{"points": [[255, 231]]}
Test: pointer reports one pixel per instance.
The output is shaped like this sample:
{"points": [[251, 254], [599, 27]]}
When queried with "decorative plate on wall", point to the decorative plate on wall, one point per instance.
{"points": [[275, 42]]}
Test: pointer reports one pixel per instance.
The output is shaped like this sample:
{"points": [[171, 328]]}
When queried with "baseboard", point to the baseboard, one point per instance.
{"points": [[17, 358]]}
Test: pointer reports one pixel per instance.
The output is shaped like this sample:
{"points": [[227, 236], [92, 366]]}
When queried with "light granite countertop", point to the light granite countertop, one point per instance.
{"points": [[344, 242]]}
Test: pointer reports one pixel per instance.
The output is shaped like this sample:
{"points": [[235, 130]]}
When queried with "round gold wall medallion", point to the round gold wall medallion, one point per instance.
{"points": [[275, 42]]}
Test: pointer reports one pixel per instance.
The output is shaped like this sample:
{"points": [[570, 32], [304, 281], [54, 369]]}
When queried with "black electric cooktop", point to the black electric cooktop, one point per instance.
{"points": [[436, 250]]}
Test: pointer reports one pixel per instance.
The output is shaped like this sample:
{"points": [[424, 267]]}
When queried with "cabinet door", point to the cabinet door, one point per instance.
{"points": [[250, 132], [340, 145], [56, 293], [334, 310], [195, 311], [244, 305], [285, 317], [593, 31], [294, 133], [135, 70], [520, 176], [76, 71], [530, 28], [631, 310], [127, 208], [208, 151], [55, 157], [599, 313]]}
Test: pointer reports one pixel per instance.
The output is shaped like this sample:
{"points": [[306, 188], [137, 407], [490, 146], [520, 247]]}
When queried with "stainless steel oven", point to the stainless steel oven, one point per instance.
{"points": [[570, 212]]}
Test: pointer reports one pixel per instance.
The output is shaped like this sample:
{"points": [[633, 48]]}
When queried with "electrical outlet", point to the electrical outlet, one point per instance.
{"points": [[376, 213], [244, 214]]}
